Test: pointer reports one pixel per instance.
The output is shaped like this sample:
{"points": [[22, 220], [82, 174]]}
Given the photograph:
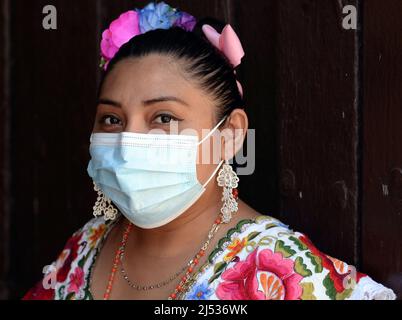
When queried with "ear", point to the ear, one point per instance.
{"points": [[233, 133]]}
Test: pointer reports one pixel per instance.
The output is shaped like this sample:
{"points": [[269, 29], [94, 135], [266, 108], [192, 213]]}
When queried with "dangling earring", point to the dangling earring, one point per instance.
{"points": [[228, 179], [103, 206]]}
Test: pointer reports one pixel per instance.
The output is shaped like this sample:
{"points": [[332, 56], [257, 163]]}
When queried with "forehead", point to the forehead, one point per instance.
{"points": [[137, 79]]}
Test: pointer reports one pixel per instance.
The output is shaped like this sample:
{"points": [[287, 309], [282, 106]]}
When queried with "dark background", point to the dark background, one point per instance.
{"points": [[326, 104]]}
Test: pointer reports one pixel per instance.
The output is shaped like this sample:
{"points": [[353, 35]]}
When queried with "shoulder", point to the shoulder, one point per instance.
{"points": [[265, 259], [67, 275]]}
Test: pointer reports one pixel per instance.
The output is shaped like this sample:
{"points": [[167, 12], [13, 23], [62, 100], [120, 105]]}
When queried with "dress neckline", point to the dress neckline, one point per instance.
{"points": [[201, 269]]}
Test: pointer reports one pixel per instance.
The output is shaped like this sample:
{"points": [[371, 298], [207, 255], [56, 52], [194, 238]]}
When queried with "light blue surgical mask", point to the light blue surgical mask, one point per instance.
{"points": [[150, 178]]}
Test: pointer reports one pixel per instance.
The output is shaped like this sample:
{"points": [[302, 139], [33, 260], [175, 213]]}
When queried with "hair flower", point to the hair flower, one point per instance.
{"points": [[157, 16], [120, 31], [134, 22], [185, 21]]}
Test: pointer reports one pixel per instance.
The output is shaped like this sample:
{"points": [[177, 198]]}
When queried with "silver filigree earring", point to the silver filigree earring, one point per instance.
{"points": [[228, 179], [103, 206]]}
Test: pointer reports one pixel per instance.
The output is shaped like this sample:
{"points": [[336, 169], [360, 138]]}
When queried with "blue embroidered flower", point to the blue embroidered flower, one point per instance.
{"points": [[157, 16], [200, 292]]}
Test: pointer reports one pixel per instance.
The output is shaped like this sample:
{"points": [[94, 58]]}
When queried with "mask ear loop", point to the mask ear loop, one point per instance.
{"points": [[212, 131], [203, 139], [213, 174]]}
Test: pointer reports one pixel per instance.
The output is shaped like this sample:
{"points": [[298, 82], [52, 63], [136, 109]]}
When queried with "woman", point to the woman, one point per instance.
{"points": [[166, 226]]}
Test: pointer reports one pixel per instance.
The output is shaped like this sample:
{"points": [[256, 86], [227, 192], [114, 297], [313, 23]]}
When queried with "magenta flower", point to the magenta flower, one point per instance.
{"points": [[76, 280], [266, 277], [120, 31], [134, 22]]}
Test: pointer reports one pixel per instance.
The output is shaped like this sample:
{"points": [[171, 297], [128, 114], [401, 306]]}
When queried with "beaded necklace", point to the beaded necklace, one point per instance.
{"points": [[181, 287]]}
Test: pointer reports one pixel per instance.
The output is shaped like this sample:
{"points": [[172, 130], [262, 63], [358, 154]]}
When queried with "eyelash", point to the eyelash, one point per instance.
{"points": [[103, 119], [169, 115]]}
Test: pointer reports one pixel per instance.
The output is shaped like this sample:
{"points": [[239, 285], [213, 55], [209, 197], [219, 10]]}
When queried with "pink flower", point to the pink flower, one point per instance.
{"points": [[120, 31], [76, 280], [266, 277]]}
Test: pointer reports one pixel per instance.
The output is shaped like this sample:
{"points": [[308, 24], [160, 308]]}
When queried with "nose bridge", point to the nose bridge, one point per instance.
{"points": [[136, 124]]}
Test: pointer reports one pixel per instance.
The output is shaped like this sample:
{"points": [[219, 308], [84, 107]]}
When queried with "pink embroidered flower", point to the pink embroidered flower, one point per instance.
{"points": [[76, 280], [68, 255], [120, 31], [267, 276], [335, 273]]}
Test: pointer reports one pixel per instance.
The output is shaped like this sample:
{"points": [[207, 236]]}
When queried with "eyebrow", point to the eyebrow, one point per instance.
{"points": [[145, 102]]}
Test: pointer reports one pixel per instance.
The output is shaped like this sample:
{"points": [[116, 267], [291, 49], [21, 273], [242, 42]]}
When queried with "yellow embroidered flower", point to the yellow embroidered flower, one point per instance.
{"points": [[272, 287], [235, 247], [338, 264], [95, 234]]}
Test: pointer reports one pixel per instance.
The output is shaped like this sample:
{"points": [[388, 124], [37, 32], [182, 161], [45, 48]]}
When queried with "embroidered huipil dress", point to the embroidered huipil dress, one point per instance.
{"points": [[259, 259]]}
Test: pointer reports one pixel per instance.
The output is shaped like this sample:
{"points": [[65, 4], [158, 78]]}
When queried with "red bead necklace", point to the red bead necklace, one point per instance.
{"points": [[184, 280]]}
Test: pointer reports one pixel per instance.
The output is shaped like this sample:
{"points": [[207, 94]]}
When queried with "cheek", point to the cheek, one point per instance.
{"points": [[209, 156], [204, 172]]}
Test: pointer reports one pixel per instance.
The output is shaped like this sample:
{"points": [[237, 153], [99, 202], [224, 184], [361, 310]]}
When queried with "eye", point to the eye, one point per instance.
{"points": [[110, 120], [165, 118]]}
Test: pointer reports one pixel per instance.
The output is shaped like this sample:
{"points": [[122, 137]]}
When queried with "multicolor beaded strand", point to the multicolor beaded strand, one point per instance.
{"points": [[186, 278], [116, 261]]}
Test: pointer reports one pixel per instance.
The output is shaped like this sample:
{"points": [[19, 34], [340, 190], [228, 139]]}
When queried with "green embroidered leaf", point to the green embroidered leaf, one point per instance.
{"points": [[286, 251], [329, 285], [214, 277], [308, 289], [222, 241], [218, 269], [61, 291], [344, 294], [252, 235], [262, 218], [213, 253], [301, 268], [87, 294], [299, 244], [70, 296], [230, 233], [237, 228], [241, 223], [316, 261], [82, 261], [270, 225], [219, 266]]}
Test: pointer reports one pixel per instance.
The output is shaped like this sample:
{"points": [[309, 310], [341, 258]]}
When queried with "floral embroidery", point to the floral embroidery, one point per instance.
{"points": [[338, 285], [235, 247], [95, 234], [259, 259], [200, 292], [68, 255], [262, 276], [76, 280]]}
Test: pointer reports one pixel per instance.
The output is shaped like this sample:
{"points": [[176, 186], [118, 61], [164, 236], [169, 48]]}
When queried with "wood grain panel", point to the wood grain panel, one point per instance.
{"points": [[382, 149], [318, 126]]}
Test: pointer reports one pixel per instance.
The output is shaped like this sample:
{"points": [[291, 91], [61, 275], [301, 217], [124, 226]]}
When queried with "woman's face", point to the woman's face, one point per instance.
{"points": [[152, 93]]}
